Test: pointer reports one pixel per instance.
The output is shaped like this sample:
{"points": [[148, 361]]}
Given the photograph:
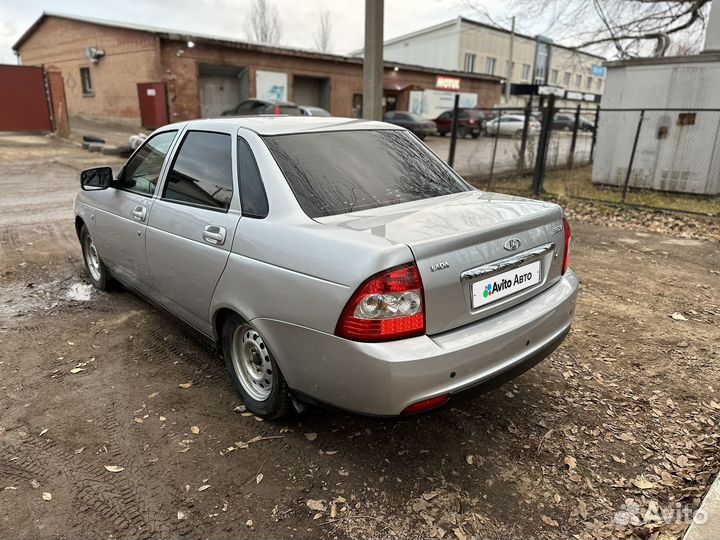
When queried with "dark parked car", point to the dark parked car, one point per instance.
{"points": [[412, 122], [566, 122], [251, 107], [470, 122]]}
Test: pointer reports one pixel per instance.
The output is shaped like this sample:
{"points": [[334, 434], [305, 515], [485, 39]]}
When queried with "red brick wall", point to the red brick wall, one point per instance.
{"points": [[130, 57], [181, 75]]}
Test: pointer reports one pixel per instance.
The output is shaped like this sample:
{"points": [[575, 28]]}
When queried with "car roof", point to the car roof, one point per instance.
{"points": [[284, 125]]}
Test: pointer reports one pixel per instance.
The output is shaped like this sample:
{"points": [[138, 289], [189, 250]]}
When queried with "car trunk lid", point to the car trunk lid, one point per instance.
{"points": [[467, 238]]}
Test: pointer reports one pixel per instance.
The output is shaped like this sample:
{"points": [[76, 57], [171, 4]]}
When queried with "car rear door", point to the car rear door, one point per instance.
{"points": [[192, 225], [122, 213]]}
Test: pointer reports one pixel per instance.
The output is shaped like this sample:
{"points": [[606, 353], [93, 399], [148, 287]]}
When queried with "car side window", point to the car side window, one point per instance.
{"points": [[201, 174], [252, 192], [245, 106], [445, 116], [142, 171]]}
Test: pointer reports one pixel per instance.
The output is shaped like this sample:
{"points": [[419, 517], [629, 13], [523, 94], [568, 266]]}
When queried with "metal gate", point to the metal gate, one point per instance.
{"points": [[153, 104], [23, 99]]}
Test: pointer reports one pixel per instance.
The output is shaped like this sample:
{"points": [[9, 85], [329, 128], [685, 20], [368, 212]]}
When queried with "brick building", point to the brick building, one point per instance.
{"points": [[120, 72]]}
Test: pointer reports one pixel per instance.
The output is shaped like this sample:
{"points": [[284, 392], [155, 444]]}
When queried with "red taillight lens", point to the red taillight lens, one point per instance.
{"points": [[277, 110], [566, 257], [427, 404], [389, 305]]}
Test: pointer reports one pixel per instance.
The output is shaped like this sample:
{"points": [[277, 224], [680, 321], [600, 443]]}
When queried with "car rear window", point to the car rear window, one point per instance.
{"points": [[290, 110], [337, 172]]}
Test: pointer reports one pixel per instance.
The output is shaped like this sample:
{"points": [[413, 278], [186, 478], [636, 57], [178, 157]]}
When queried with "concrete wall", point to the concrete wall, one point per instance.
{"points": [[130, 57], [671, 155], [437, 48]]}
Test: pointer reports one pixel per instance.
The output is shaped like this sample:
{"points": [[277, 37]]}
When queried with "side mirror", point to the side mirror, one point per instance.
{"points": [[96, 179]]}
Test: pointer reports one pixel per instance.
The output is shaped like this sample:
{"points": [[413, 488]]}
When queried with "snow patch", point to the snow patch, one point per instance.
{"points": [[79, 292]]}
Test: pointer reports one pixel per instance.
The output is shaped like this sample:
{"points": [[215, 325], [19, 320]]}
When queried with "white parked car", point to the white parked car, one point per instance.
{"points": [[511, 125]]}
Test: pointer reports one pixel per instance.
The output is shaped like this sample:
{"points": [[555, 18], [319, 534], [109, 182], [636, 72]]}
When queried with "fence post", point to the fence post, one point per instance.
{"points": [[543, 142], [576, 124], [523, 142], [495, 143], [453, 131], [594, 135], [632, 155]]}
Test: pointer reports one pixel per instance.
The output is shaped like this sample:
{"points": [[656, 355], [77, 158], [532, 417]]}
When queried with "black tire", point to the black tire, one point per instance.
{"points": [[461, 132], [277, 404], [475, 135], [421, 136], [442, 133], [97, 272]]}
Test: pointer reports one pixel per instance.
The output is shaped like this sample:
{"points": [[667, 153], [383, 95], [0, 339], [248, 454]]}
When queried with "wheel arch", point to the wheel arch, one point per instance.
{"points": [[79, 223]]}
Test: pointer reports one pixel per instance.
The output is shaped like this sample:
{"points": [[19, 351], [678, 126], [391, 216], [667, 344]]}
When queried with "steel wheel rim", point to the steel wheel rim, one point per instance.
{"points": [[251, 361], [92, 259]]}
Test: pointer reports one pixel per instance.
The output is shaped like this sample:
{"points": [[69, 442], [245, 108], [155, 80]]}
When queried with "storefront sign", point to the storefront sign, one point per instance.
{"points": [[271, 85], [447, 83], [598, 71], [432, 103]]}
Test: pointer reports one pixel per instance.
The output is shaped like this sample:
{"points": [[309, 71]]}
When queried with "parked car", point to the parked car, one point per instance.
{"points": [[251, 107], [511, 125], [412, 122], [566, 122], [331, 261], [470, 122], [307, 110]]}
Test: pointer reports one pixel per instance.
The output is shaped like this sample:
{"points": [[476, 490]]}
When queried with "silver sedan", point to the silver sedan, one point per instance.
{"points": [[333, 261]]}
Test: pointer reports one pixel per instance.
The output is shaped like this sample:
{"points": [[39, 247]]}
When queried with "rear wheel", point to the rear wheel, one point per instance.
{"points": [[461, 132], [442, 133], [96, 269], [253, 370], [475, 135]]}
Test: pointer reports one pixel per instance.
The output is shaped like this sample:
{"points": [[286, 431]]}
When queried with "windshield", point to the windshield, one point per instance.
{"points": [[337, 172]]}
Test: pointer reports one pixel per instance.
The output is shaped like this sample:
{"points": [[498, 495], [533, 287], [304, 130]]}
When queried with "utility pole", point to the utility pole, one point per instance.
{"points": [[510, 64], [373, 60]]}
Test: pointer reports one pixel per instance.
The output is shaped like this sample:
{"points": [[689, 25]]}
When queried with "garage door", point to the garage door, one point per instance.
{"points": [[312, 91], [23, 99], [218, 93]]}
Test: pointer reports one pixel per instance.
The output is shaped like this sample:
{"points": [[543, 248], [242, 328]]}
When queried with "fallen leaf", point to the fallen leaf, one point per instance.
{"points": [[643, 483], [181, 515], [259, 478], [43, 432], [618, 459], [114, 468], [715, 404], [240, 408], [162, 418], [470, 459], [678, 317], [138, 420], [195, 430], [249, 523], [311, 436], [682, 461], [316, 505], [203, 487], [571, 462], [331, 452], [153, 395], [185, 385], [47, 496], [187, 488], [430, 495], [34, 483], [549, 521], [76, 370], [333, 511], [79, 450]]}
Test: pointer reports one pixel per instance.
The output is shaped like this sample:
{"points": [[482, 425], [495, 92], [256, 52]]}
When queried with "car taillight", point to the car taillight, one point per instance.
{"points": [[566, 257], [389, 305], [277, 110], [426, 404], [471, 121]]}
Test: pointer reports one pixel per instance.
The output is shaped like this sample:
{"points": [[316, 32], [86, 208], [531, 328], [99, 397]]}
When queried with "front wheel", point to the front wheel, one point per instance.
{"points": [[253, 370], [461, 132], [96, 269]]}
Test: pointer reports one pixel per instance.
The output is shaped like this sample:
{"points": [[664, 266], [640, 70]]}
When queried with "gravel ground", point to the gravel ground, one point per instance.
{"points": [[118, 422]]}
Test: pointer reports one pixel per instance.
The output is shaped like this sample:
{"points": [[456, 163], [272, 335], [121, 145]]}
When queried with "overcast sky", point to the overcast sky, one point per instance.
{"points": [[226, 18]]}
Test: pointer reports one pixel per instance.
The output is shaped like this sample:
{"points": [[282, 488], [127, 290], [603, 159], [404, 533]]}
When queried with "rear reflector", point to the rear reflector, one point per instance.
{"points": [[566, 256], [277, 110], [427, 404]]}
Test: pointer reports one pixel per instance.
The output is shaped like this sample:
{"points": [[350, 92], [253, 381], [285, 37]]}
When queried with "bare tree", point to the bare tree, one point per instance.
{"points": [[264, 23], [624, 28], [324, 32]]}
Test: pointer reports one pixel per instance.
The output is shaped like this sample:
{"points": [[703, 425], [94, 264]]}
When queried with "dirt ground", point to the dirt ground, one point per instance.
{"points": [[102, 436]]}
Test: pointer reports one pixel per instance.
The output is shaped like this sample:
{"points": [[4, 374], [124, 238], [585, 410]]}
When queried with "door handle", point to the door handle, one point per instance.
{"points": [[214, 235], [139, 213]]}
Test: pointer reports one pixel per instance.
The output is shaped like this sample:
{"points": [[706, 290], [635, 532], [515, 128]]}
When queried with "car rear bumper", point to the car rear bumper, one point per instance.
{"points": [[382, 379]]}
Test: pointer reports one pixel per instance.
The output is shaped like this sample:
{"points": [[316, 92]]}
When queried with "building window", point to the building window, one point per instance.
{"points": [[578, 81], [470, 62], [490, 64], [526, 72], [566, 80], [554, 74], [588, 83], [86, 81]]}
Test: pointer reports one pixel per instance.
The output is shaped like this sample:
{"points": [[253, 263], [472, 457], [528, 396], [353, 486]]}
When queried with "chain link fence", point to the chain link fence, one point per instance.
{"points": [[657, 158]]}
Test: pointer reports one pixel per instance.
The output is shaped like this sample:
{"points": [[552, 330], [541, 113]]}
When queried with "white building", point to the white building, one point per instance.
{"points": [[466, 45], [678, 145]]}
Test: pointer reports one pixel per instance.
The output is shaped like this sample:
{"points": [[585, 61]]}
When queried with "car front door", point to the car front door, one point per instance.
{"points": [[122, 212], [192, 224]]}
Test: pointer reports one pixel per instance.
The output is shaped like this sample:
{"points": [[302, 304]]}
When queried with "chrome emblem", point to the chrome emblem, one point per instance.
{"points": [[511, 244], [439, 266]]}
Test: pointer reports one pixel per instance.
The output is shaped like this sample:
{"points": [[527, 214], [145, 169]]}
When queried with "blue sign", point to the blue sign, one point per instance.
{"points": [[598, 71]]}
